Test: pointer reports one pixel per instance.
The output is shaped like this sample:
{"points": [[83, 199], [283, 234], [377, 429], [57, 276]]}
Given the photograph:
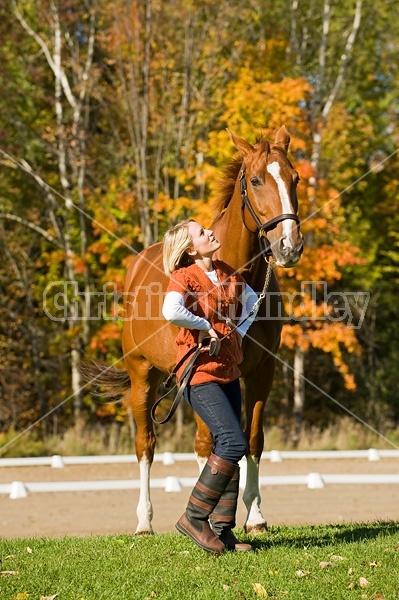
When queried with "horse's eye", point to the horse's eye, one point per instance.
{"points": [[255, 181]]}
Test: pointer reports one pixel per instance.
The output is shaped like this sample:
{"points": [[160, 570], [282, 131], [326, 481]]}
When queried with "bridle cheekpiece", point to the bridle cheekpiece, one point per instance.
{"points": [[264, 228]]}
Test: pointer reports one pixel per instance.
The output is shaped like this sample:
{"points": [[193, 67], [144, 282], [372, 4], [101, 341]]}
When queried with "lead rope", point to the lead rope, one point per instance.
{"points": [[257, 304], [190, 365]]}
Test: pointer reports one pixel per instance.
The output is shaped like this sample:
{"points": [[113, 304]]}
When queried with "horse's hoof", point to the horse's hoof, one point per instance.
{"points": [[144, 532], [256, 529]]}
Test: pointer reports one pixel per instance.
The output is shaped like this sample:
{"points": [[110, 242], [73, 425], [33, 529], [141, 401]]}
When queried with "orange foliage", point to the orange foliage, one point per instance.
{"points": [[98, 247], [253, 102], [305, 169], [100, 341], [321, 265], [79, 264], [117, 275], [327, 336]]}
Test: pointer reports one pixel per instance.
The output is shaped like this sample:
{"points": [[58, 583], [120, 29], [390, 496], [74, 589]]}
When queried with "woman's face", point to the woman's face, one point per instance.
{"points": [[204, 242]]}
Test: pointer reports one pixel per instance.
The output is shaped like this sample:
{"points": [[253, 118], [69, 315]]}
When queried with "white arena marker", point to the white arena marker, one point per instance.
{"points": [[373, 454], [57, 462], [18, 490], [172, 484], [315, 481], [275, 456], [168, 458]]}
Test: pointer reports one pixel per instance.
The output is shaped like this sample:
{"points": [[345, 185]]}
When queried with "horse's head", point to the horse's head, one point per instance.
{"points": [[269, 202]]}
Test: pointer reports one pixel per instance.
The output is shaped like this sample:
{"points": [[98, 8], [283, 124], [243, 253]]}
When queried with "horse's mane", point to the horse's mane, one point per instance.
{"points": [[228, 181], [226, 186]]}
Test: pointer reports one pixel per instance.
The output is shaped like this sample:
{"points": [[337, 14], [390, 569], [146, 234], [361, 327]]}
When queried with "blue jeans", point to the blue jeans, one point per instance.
{"points": [[219, 406]]}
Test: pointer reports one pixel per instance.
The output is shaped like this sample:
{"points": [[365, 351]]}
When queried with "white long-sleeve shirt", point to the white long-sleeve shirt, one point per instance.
{"points": [[175, 312]]}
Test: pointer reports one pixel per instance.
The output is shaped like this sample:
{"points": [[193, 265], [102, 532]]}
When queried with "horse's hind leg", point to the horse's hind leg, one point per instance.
{"points": [[145, 383], [256, 393]]}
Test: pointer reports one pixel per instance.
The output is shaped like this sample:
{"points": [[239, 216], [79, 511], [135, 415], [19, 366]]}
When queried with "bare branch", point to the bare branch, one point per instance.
{"points": [[345, 57], [294, 33], [86, 71], [9, 255], [324, 38], [59, 73], [31, 225]]}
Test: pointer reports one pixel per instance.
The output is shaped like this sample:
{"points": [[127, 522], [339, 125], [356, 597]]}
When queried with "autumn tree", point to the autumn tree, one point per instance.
{"points": [[50, 145], [113, 120], [251, 102]]}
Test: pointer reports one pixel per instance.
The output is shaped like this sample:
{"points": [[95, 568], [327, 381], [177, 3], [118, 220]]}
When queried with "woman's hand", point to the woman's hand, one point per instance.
{"points": [[215, 343]]}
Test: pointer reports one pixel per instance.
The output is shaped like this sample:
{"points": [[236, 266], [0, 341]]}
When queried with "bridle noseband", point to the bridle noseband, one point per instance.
{"points": [[263, 229]]}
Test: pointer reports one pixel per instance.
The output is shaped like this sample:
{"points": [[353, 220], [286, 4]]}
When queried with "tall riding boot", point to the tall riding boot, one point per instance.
{"points": [[223, 518], [206, 494]]}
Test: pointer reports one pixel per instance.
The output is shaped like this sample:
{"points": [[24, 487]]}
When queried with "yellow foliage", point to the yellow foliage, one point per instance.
{"points": [[266, 105]]}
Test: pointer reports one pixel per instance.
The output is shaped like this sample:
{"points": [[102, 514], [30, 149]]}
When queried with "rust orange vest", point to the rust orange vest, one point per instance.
{"points": [[214, 303]]}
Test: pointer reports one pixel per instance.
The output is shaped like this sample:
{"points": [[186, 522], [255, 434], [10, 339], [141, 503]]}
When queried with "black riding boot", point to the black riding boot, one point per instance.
{"points": [[223, 517], [206, 494]]}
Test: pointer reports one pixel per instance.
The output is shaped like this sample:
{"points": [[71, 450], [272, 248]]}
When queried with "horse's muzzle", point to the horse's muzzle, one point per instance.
{"points": [[287, 255]]}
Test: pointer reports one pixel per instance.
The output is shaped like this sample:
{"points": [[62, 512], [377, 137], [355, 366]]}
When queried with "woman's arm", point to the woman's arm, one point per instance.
{"points": [[247, 299], [175, 312]]}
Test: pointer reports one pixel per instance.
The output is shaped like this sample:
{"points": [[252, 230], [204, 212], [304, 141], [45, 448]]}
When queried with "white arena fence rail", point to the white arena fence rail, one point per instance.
{"points": [[169, 458], [20, 489]]}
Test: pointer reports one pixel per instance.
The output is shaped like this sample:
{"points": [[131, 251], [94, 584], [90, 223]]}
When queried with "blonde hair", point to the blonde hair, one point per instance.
{"points": [[177, 240]]}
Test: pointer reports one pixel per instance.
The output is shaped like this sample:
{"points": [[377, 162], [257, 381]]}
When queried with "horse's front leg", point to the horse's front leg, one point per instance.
{"points": [[256, 393], [255, 521]]}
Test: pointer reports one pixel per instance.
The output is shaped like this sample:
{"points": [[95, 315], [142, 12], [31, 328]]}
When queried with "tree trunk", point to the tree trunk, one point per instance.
{"points": [[299, 394], [179, 421]]}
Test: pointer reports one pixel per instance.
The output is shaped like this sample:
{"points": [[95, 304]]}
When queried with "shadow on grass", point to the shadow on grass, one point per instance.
{"points": [[323, 535]]}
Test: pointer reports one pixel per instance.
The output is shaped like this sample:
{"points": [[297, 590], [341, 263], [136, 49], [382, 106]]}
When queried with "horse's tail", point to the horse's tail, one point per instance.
{"points": [[107, 381]]}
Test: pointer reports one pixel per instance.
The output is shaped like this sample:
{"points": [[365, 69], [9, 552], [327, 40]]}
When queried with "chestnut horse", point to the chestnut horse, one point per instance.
{"points": [[258, 203]]}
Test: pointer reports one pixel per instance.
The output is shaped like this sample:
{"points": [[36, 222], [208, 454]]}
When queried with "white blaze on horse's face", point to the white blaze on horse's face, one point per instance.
{"points": [[286, 206], [287, 247]]}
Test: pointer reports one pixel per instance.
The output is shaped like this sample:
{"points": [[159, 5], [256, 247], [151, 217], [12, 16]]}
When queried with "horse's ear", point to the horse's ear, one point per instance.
{"points": [[283, 138], [243, 147]]}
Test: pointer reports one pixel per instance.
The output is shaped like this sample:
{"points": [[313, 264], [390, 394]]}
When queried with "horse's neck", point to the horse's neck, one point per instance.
{"points": [[238, 245]]}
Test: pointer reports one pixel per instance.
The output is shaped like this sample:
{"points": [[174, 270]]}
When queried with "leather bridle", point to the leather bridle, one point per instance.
{"points": [[264, 228]]}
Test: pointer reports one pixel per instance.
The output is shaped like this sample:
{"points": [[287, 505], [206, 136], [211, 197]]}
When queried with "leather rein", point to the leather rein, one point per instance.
{"points": [[183, 382]]}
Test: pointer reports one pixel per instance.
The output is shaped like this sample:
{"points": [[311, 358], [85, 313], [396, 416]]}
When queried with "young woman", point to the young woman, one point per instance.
{"points": [[203, 299]]}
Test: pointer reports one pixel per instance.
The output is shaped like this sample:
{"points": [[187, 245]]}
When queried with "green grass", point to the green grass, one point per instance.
{"points": [[285, 565]]}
